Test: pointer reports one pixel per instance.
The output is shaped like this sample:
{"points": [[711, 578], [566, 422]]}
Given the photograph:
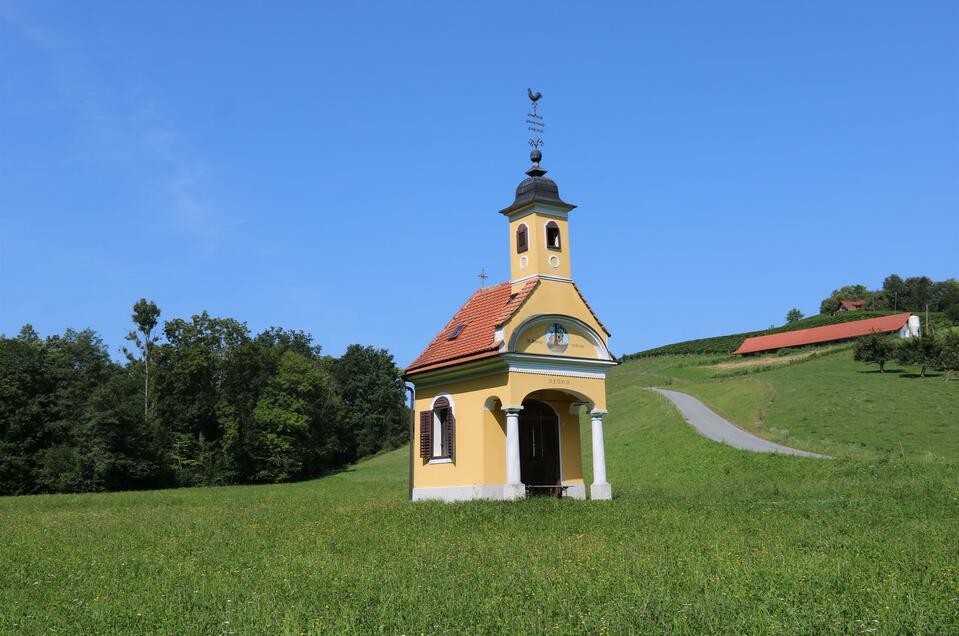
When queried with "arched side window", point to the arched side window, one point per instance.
{"points": [[522, 238], [438, 431], [552, 236]]}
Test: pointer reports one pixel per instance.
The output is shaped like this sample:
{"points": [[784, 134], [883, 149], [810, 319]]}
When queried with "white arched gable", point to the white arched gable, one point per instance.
{"points": [[602, 351]]}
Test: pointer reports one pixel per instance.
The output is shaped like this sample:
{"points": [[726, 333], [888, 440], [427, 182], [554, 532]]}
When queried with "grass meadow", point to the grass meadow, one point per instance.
{"points": [[700, 538]]}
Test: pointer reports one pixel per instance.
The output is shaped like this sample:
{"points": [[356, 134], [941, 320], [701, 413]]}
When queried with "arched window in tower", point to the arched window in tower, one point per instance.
{"points": [[552, 236], [522, 238]]}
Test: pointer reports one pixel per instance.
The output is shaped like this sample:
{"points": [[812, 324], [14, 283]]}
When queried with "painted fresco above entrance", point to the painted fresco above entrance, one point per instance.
{"points": [[559, 336]]}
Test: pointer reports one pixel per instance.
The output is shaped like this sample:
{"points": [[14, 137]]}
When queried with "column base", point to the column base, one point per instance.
{"points": [[514, 491], [575, 491], [601, 491]]}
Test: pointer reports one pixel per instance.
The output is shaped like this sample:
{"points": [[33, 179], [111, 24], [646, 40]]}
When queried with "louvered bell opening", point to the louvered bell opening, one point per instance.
{"points": [[522, 239]]}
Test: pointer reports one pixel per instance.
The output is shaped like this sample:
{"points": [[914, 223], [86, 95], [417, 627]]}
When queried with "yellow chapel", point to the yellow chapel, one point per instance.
{"points": [[500, 389]]}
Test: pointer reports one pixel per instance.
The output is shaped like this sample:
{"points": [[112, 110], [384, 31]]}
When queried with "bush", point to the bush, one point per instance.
{"points": [[949, 354]]}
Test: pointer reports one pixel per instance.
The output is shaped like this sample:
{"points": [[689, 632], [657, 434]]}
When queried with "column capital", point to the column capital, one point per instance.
{"points": [[512, 408], [598, 414]]}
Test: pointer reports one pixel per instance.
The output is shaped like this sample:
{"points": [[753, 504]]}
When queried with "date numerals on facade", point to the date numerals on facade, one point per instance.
{"points": [[562, 381]]}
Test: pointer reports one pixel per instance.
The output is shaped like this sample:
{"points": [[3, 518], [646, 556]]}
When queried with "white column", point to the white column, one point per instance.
{"points": [[514, 488], [600, 489]]}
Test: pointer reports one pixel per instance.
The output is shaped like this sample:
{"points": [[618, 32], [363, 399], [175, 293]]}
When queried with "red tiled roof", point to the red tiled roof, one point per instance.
{"points": [[829, 333], [485, 310], [852, 304]]}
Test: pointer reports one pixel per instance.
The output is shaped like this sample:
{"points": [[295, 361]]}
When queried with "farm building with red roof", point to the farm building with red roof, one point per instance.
{"points": [[851, 305], [906, 324]]}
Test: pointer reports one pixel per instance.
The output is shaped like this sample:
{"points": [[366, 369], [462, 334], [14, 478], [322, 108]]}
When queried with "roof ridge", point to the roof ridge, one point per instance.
{"points": [[508, 309]]}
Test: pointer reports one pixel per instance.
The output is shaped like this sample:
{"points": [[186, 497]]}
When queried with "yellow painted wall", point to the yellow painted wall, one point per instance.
{"points": [[481, 433], [538, 255], [553, 297], [569, 441], [494, 441], [477, 434], [592, 390]]}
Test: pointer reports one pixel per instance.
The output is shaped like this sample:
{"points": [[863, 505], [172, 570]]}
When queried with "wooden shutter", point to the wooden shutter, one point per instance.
{"points": [[522, 239], [450, 433], [426, 434]]}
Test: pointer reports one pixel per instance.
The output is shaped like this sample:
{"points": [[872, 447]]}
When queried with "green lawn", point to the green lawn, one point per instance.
{"points": [[700, 538]]}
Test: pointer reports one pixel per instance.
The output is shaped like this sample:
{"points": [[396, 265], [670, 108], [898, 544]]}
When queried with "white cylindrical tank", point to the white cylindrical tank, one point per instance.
{"points": [[913, 326]]}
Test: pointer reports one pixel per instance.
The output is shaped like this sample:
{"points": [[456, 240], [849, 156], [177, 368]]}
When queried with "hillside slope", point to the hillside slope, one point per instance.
{"points": [[700, 538], [729, 343], [828, 403]]}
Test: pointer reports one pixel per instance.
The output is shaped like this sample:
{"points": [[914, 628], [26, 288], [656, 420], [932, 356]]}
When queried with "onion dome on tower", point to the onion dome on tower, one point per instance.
{"points": [[536, 188]]}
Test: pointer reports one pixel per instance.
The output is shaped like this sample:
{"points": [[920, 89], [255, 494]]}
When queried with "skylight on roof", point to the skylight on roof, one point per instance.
{"points": [[456, 331]]}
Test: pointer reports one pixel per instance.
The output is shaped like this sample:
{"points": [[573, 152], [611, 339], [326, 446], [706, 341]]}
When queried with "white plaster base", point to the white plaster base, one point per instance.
{"points": [[601, 491], [505, 492], [460, 493], [575, 491], [514, 491]]}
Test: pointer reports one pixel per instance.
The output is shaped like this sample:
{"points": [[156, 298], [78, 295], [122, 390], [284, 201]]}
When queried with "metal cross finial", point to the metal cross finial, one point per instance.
{"points": [[534, 120], [483, 276]]}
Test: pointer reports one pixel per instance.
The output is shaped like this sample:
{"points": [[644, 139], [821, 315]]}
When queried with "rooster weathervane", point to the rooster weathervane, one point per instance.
{"points": [[534, 121]]}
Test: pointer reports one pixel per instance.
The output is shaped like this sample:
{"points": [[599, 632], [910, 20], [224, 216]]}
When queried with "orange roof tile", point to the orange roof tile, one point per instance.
{"points": [[829, 333], [485, 310]]}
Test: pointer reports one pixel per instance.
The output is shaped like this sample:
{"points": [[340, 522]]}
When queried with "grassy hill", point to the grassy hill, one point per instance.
{"points": [[700, 538], [728, 344], [825, 402]]}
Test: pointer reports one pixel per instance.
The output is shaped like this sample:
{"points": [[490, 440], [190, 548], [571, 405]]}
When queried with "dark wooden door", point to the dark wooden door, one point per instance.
{"points": [[539, 448]]}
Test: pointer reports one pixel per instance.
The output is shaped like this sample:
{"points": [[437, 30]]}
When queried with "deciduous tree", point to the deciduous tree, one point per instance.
{"points": [[921, 351], [373, 400], [294, 419], [876, 348]]}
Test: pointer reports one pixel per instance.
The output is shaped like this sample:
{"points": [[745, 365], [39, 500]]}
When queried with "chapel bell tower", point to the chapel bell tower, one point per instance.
{"points": [[501, 389], [538, 219]]}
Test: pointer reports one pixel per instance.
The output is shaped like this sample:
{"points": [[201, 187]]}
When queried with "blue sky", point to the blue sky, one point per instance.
{"points": [[338, 168]]}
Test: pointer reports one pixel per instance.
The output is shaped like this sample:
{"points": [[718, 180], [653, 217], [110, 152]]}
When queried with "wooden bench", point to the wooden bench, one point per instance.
{"points": [[556, 490]]}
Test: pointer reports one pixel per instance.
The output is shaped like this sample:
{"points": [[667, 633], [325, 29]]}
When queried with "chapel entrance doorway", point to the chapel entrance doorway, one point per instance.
{"points": [[539, 449]]}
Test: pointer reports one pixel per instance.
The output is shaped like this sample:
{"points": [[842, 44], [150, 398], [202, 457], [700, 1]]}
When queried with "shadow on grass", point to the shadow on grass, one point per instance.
{"points": [[929, 374], [877, 371]]}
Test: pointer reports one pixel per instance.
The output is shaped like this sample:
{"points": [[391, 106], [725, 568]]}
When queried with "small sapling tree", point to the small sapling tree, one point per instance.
{"points": [[876, 348], [145, 316], [922, 351], [793, 315]]}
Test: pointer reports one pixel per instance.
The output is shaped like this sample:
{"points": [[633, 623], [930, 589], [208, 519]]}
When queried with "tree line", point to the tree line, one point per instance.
{"points": [[914, 294], [926, 351], [197, 402]]}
